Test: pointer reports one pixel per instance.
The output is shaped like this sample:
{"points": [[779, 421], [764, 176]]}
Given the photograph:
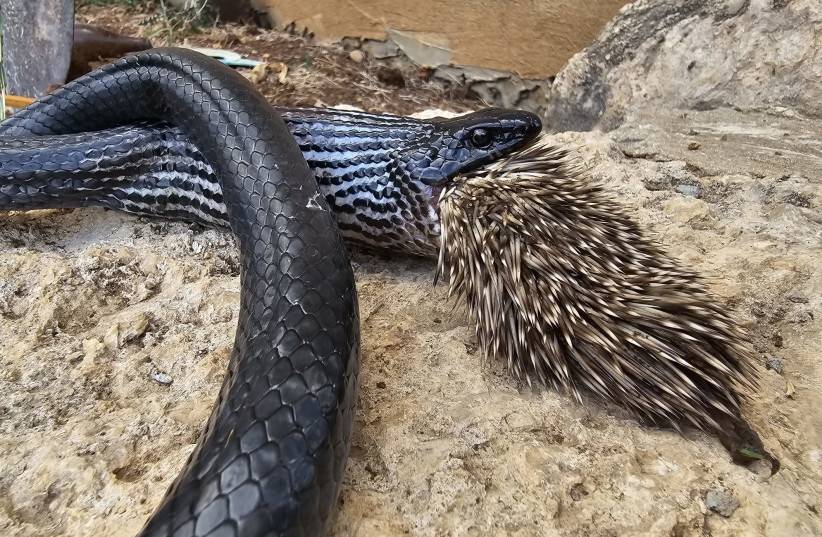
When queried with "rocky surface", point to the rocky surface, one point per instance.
{"points": [[115, 333], [702, 54]]}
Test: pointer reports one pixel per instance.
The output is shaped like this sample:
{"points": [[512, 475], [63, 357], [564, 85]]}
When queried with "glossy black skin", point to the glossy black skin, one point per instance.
{"points": [[465, 143], [368, 167], [271, 458]]}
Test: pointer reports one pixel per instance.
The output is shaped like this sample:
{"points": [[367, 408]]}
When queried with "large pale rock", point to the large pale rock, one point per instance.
{"points": [[701, 54]]}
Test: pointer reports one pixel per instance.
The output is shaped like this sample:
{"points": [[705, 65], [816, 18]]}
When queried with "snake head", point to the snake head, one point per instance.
{"points": [[461, 144]]}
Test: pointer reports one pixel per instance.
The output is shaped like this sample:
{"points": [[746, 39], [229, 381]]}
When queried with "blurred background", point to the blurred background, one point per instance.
{"points": [[513, 53]]}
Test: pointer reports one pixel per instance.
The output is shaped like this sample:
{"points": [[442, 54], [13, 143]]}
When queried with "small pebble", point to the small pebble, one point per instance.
{"points": [[790, 389], [797, 298], [693, 146], [381, 385], [774, 364], [798, 199], [801, 317], [259, 73], [135, 328], [693, 191], [357, 56], [721, 501], [578, 492], [161, 378]]}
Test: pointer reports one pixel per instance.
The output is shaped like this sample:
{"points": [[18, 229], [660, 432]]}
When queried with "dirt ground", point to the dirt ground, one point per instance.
{"points": [[115, 333], [299, 73]]}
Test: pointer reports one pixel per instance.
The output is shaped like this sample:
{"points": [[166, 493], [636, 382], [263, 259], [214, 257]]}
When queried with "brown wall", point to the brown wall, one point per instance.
{"points": [[533, 38]]}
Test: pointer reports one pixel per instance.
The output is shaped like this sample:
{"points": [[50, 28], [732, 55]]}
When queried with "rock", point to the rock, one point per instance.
{"points": [[578, 492], [694, 191], [381, 50], [674, 175], [700, 54], [259, 73], [774, 364], [112, 338], [800, 317], [798, 199], [721, 501], [357, 56], [797, 298], [687, 210], [123, 332], [221, 315], [92, 349], [7, 292], [161, 378], [134, 328], [790, 389]]}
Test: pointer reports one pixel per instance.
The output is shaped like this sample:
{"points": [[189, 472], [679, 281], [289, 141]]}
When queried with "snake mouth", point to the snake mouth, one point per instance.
{"points": [[435, 193], [532, 154]]}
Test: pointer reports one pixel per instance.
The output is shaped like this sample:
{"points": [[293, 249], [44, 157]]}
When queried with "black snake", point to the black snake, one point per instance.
{"points": [[170, 132]]}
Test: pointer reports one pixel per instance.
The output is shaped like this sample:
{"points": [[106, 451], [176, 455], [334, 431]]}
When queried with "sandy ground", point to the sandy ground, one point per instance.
{"points": [[115, 333]]}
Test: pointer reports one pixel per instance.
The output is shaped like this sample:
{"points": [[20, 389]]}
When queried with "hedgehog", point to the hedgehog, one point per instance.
{"points": [[567, 289]]}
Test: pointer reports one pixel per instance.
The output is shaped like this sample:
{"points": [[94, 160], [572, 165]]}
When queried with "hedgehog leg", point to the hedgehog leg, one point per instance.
{"points": [[744, 444]]}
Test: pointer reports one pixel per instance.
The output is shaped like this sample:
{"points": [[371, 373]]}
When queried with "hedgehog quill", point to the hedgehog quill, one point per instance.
{"points": [[567, 289]]}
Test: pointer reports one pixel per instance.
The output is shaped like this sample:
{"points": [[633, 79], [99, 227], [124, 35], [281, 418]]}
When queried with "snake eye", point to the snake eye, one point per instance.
{"points": [[480, 138]]}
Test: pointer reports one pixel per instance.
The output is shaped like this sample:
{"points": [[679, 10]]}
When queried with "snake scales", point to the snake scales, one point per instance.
{"points": [[272, 455]]}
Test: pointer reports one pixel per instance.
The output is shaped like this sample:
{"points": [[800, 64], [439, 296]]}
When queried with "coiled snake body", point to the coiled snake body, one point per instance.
{"points": [[272, 455]]}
